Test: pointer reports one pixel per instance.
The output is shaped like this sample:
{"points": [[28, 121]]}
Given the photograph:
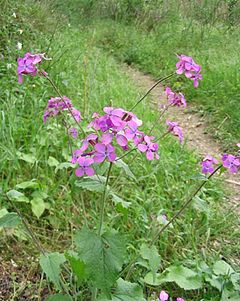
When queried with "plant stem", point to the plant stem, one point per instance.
{"points": [[60, 95], [185, 205], [104, 200], [158, 119], [146, 94]]}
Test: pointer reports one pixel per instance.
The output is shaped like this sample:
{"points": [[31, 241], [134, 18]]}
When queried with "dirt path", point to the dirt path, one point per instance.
{"points": [[194, 128]]}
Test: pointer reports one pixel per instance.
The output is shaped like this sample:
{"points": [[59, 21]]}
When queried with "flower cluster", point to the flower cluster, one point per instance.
{"points": [[175, 129], [175, 99], [191, 70], [116, 128], [230, 162], [27, 65], [163, 296], [56, 105]]}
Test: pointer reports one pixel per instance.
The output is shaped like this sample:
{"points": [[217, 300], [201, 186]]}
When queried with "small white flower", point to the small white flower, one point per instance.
{"points": [[9, 66], [14, 15], [19, 45], [20, 31]]}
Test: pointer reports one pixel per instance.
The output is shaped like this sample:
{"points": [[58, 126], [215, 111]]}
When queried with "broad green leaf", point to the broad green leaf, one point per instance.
{"points": [[230, 295], [64, 165], [58, 297], [121, 164], [30, 158], [222, 268], [156, 281], [92, 183], [15, 195], [151, 255], [9, 220], [53, 162], [184, 277], [103, 256], [38, 206], [118, 200], [39, 194], [27, 184], [3, 212], [51, 266], [77, 265], [200, 205], [127, 291]]}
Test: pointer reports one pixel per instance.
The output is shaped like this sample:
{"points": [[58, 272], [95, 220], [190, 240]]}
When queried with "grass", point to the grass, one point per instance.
{"points": [[87, 74]]}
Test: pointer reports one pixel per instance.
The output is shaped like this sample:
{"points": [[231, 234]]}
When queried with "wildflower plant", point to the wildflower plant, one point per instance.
{"points": [[99, 261]]}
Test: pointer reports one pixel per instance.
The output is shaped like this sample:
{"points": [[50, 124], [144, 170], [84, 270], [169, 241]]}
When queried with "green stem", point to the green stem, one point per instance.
{"points": [[185, 205], [60, 95], [146, 94], [104, 196]]}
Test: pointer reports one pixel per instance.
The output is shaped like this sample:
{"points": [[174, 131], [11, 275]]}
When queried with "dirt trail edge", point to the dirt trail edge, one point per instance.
{"points": [[194, 128]]}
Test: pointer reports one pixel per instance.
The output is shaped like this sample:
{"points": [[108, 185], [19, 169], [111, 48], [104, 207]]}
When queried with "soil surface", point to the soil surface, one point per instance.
{"points": [[194, 128]]}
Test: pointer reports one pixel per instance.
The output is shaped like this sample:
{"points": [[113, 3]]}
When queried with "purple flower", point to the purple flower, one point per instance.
{"points": [[27, 65], [163, 296], [84, 168], [103, 151], [176, 130], [208, 164], [176, 99], [232, 163], [73, 132], [115, 115], [180, 299], [192, 70], [90, 139], [149, 148]]}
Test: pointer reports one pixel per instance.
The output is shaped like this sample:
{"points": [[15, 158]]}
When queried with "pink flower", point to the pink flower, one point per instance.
{"points": [[73, 132], [115, 115], [191, 70], [176, 130], [176, 99], [163, 296], [84, 168], [208, 164], [27, 65], [103, 152], [232, 163], [149, 148], [180, 299]]}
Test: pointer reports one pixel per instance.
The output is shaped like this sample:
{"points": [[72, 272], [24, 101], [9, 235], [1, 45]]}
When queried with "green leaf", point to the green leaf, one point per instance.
{"points": [[9, 220], [156, 281], [58, 297], [38, 206], [127, 291], [30, 158], [51, 266], [118, 200], [64, 165], [103, 256], [77, 265], [53, 162], [222, 268], [184, 277], [200, 205], [151, 255], [15, 195], [92, 183], [27, 184], [121, 164]]}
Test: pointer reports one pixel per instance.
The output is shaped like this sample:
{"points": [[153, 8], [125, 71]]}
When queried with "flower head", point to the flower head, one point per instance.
{"points": [[208, 164], [163, 296], [103, 152], [176, 99], [176, 130], [149, 148], [232, 163], [191, 70], [27, 65], [84, 168]]}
